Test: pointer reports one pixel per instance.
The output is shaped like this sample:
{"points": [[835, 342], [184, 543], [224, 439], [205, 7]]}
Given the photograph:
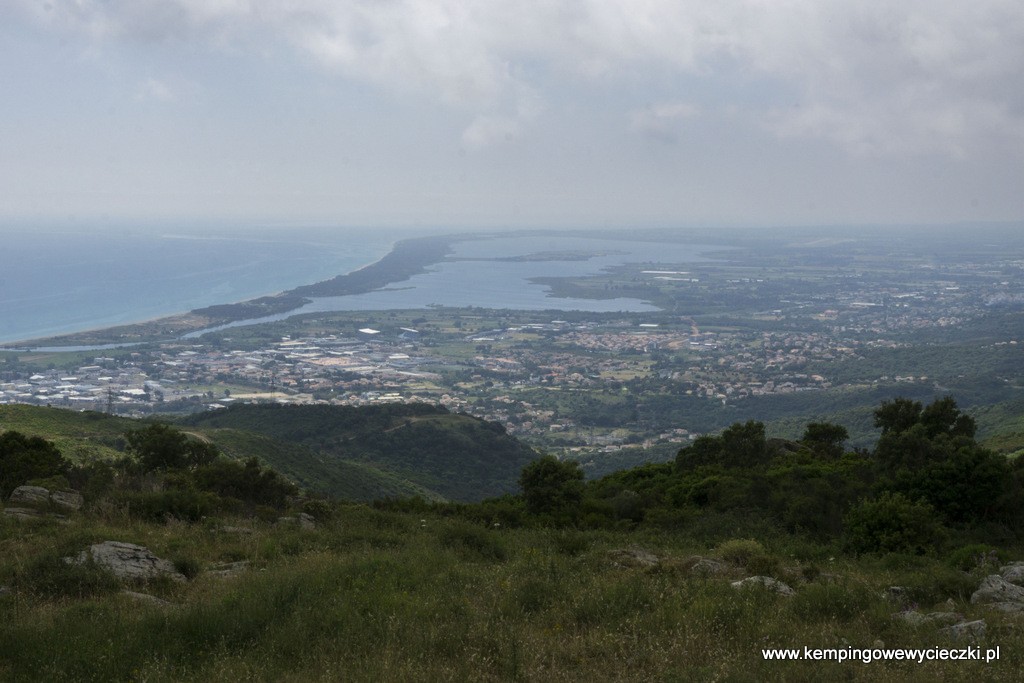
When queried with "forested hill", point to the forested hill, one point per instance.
{"points": [[456, 456]]}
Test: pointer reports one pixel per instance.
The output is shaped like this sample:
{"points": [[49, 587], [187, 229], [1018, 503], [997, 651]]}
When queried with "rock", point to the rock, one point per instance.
{"points": [[996, 589], [128, 561], [23, 514], [147, 598], [30, 495], [633, 557], [4, 590], [38, 496], [68, 500], [236, 530], [1014, 573], [703, 566], [303, 521], [968, 630], [766, 582], [897, 595]]}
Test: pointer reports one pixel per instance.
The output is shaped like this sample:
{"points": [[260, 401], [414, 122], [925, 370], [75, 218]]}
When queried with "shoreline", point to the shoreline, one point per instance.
{"points": [[404, 259]]}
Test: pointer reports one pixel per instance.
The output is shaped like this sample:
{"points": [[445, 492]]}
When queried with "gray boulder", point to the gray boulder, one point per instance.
{"points": [[703, 566], [30, 495], [968, 630], [765, 582], [128, 561], [1014, 573], [303, 521], [995, 588], [38, 496], [633, 557]]}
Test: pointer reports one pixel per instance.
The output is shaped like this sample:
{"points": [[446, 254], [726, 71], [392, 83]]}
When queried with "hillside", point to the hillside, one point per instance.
{"points": [[457, 456], [690, 570]]}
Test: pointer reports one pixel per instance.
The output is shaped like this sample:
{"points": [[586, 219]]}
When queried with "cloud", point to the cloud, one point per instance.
{"points": [[662, 121], [873, 77], [154, 89]]}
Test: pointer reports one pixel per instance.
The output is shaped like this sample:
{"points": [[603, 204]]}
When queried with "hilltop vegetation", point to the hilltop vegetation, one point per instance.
{"points": [[626, 577]]}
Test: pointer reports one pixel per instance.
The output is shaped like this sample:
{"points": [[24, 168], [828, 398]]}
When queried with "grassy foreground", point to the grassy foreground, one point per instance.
{"points": [[378, 595]]}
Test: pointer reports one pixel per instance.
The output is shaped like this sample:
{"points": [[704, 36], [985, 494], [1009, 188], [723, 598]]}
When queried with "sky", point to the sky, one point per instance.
{"points": [[523, 113]]}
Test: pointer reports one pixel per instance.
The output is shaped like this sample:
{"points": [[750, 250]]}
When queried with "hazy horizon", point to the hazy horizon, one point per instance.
{"points": [[456, 114]]}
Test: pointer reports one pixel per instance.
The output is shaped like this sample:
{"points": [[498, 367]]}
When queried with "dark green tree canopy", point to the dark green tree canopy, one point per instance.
{"points": [[23, 458], [551, 486], [161, 447]]}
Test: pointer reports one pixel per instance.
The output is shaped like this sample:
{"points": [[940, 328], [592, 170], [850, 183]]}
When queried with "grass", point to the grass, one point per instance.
{"points": [[378, 596]]}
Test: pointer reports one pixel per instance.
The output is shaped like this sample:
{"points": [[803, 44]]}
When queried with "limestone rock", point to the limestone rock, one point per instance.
{"points": [[68, 500], [703, 566], [30, 495], [995, 588], [303, 521], [128, 561], [23, 514], [1014, 573], [897, 595], [766, 582], [633, 557], [38, 496], [968, 630]]}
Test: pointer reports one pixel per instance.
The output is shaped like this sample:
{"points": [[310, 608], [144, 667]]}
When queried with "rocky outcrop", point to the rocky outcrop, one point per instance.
{"points": [[764, 582], [128, 561], [39, 496], [32, 515], [968, 630], [703, 566], [1014, 573], [303, 521], [996, 589], [633, 557], [147, 599]]}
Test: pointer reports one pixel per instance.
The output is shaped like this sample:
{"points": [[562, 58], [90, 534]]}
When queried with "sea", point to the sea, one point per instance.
{"points": [[60, 281]]}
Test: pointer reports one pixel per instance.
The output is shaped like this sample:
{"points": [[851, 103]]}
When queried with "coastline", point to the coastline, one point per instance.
{"points": [[406, 258]]}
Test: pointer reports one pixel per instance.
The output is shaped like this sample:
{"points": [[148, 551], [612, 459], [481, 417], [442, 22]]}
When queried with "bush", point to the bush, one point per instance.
{"points": [[975, 556], [51, 576], [186, 505], [892, 523], [474, 543]]}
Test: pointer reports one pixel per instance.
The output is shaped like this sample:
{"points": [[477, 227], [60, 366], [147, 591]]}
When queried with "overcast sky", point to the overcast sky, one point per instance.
{"points": [[513, 112]]}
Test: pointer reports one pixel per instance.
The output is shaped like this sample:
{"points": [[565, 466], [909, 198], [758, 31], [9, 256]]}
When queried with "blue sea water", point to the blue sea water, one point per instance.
{"points": [[57, 281], [472, 277], [54, 282]]}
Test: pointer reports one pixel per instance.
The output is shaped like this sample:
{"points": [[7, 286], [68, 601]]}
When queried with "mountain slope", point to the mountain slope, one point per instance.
{"points": [[458, 456]]}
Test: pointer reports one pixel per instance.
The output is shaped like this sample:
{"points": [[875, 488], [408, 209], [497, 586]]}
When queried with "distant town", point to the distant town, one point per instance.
{"points": [[591, 383]]}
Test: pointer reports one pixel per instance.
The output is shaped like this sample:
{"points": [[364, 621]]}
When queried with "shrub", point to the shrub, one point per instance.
{"points": [[474, 543], [891, 523], [51, 576], [186, 505], [975, 556], [824, 602]]}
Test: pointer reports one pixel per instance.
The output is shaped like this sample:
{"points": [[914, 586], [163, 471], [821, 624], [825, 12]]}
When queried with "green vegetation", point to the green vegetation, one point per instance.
{"points": [[626, 577], [454, 456]]}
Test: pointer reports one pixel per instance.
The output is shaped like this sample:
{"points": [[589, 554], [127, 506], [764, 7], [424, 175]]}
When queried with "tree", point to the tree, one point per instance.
{"points": [[551, 486], [897, 415], [825, 438], [23, 458], [161, 447]]}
